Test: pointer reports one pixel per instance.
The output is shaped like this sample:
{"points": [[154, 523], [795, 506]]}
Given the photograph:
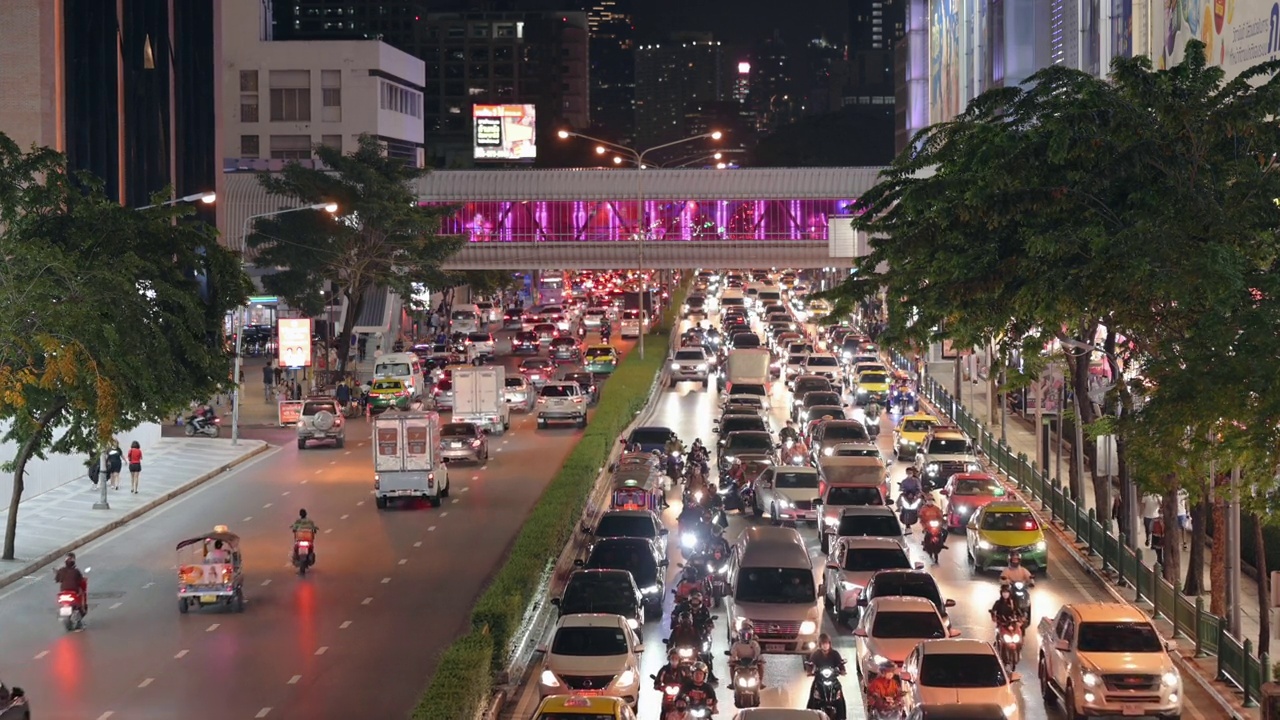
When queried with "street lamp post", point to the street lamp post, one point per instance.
{"points": [[239, 325], [638, 156], [207, 198]]}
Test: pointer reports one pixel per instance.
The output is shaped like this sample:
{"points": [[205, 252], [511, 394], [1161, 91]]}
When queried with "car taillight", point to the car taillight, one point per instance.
{"points": [[578, 399], [431, 480], [475, 443]]}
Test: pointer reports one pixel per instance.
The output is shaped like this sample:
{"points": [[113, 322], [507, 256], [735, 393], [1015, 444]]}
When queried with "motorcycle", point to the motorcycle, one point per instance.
{"points": [[904, 402], [872, 415], [670, 691], [675, 465], [826, 694], [934, 540], [210, 427], [715, 567], [69, 610], [1022, 596], [887, 710], [791, 454], [304, 555], [1010, 645], [693, 540], [697, 711], [909, 508], [745, 675]]}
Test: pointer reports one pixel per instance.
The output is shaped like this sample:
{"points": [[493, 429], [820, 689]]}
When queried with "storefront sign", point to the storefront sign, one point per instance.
{"points": [[294, 342], [289, 412]]}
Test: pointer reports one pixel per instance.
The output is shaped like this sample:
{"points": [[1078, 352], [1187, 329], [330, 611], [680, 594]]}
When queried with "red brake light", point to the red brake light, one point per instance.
{"points": [[66, 597], [304, 543]]}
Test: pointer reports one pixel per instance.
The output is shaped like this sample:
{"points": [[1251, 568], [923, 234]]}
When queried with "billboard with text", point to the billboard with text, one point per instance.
{"points": [[505, 132]]}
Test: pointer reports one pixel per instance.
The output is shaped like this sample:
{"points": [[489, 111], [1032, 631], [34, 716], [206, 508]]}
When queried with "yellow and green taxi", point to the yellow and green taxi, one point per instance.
{"points": [[600, 359], [1000, 528], [872, 386], [910, 432], [580, 707], [389, 393]]}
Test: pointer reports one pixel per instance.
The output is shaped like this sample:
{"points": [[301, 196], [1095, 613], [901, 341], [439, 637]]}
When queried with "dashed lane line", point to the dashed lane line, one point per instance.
{"points": [[114, 606], [418, 544], [247, 519], [294, 680], [444, 514], [366, 601], [146, 682], [212, 627], [345, 624], [403, 561], [263, 712], [386, 580], [266, 582], [264, 507], [106, 715], [344, 517], [286, 492], [181, 654], [40, 655], [431, 529], [322, 649]]}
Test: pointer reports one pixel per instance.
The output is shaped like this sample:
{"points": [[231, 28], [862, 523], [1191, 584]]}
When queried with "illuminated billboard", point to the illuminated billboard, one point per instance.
{"points": [[505, 132], [294, 342]]}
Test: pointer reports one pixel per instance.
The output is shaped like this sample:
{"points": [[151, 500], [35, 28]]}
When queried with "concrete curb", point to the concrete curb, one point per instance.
{"points": [[128, 517]]}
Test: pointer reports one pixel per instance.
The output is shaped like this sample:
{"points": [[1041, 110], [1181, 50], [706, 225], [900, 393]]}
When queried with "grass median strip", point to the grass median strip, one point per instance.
{"points": [[463, 679]]}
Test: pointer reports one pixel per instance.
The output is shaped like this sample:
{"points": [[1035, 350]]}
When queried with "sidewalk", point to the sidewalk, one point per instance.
{"points": [[58, 521], [1020, 437]]}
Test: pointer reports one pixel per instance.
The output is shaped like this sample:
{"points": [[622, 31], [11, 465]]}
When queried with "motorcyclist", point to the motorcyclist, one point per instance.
{"points": [[789, 432], [304, 528], [717, 543], [671, 673], [930, 511], [797, 448], [911, 483], [824, 656], [1005, 611], [746, 649], [1017, 572], [70, 579], [692, 517], [674, 446], [884, 691], [690, 582], [606, 332], [202, 416], [700, 613], [684, 633], [698, 689]]}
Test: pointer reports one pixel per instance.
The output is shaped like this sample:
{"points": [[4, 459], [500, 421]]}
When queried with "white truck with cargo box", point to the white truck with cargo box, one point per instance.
{"points": [[406, 458], [747, 366], [479, 397]]}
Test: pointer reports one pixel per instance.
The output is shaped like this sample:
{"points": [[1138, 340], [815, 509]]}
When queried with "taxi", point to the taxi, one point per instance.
{"points": [[578, 707], [600, 359], [389, 393], [910, 432], [1001, 528], [965, 493], [872, 387]]}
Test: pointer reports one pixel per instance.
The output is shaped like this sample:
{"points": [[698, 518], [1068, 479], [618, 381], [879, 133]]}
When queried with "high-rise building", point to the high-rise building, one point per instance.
{"points": [[126, 89], [773, 99], [825, 75], [395, 22], [613, 67], [493, 58], [742, 82], [875, 28], [686, 70]]}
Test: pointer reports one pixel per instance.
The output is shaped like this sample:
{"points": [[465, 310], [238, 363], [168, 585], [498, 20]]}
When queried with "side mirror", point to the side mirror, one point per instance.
{"points": [[1171, 645], [17, 693], [726, 653], [587, 529], [919, 566], [953, 633], [578, 563], [907, 677], [860, 633], [541, 649], [862, 601], [666, 641], [663, 532], [1015, 677], [663, 562], [949, 603], [834, 566], [639, 649], [555, 602], [944, 492], [1062, 645]]}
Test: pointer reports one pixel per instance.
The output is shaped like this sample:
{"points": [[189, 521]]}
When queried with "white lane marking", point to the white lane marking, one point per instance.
{"points": [[144, 587], [286, 492], [347, 452], [465, 489], [322, 649], [496, 450], [294, 680], [114, 606], [345, 624], [106, 715], [264, 507], [212, 627], [344, 517], [319, 471], [386, 580], [475, 477], [328, 530], [403, 561], [455, 500], [266, 582], [418, 544], [146, 682], [288, 564], [333, 462], [366, 601], [304, 482], [444, 514], [247, 519], [431, 529], [40, 655], [359, 503], [504, 442], [263, 712], [181, 654]]}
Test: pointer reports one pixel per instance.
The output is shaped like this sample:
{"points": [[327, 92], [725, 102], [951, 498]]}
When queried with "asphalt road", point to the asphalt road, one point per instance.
{"points": [[689, 411], [356, 638]]}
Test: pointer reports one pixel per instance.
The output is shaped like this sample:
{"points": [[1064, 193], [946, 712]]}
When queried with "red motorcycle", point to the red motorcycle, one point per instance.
{"points": [[935, 539]]}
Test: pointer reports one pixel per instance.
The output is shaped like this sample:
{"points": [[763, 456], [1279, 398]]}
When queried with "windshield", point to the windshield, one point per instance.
{"points": [[849, 431], [961, 671], [586, 641], [797, 351], [977, 487], [650, 436], [742, 422], [394, 385], [820, 361], [559, 390], [1118, 637], [463, 315], [689, 355], [908, 585], [392, 369], [598, 592], [949, 446], [630, 314], [536, 364], [750, 441], [479, 337], [636, 526], [458, 429], [865, 495], [749, 389], [775, 585], [822, 398], [514, 382], [916, 426], [873, 378], [870, 559], [624, 555], [601, 354], [732, 302], [857, 452], [1009, 521], [312, 408], [870, 526], [696, 301], [795, 480], [811, 385], [897, 625]]}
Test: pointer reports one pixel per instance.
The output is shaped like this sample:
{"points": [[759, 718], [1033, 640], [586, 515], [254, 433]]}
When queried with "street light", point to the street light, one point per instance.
{"points": [[207, 198], [637, 156], [330, 208]]}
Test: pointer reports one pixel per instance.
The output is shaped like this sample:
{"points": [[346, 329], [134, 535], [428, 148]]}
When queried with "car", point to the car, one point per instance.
{"points": [[600, 359], [690, 364], [865, 521], [824, 364], [546, 332], [538, 370], [959, 671], [740, 442], [1001, 528], [565, 349], [965, 493], [650, 437], [634, 524], [803, 412], [774, 713], [743, 339], [525, 343], [857, 449], [734, 421], [562, 321], [824, 436], [694, 306], [482, 345], [442, 394], [603, 591], [518, 392], [322, 420], [946, 450], [890, 628], [463, 441], [585, 707], [805, 384], [738, 404], [910, 433], [561, 401], [592, 652], [511, 317], [594, 318], [788, 494], [587, 382], [638, 556], [389, 393], [959, 711], [633, 323], [795, 365], [907, 583], [851, 563], [871, 386]]}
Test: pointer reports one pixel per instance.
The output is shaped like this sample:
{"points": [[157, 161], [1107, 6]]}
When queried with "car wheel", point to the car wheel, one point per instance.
{"points": [[1046, 692], [773, 514], [341, 441], [302, 444], [380, 502], [542, 424], [1070, 705]]}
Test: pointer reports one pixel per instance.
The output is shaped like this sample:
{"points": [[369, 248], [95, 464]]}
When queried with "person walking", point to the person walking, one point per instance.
{"points": [[115, 463], [1150, 511], [268, 380], [343, 394], [94, 466], [135, 466], [1157, 538]]}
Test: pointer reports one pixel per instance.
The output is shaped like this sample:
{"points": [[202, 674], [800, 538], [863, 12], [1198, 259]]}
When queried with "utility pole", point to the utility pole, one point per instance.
{"points": [[1233, 555]]}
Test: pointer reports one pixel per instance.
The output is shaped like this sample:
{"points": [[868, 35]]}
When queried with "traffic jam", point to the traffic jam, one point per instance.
{"points": [[794, 535]]}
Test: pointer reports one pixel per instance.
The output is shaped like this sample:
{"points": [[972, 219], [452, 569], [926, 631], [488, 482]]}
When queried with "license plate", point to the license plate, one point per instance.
{"points": [[1130, 709], [64, 611], [208, 598], [775, 647]]}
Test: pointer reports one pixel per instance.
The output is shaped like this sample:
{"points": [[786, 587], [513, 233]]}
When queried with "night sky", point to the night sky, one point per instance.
{"points": [[741, 22]]}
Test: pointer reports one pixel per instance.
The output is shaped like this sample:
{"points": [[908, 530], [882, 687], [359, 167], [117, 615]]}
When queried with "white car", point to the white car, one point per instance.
{"points": [[826, 365], [850, 565], [787, 493], [890, 629], [594, 318], [795, 365], [519, 392], [592, 652], [959, 672]]}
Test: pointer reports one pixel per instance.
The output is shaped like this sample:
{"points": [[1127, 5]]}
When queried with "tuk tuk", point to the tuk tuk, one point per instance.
{"points": [[209, 571], [634, 490]]}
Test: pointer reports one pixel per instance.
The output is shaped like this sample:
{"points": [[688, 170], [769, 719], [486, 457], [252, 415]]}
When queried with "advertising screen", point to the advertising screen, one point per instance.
{"points": [[505, 132], [294, 342]]}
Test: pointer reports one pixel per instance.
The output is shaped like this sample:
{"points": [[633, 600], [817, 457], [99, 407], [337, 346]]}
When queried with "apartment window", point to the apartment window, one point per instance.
{"points": [[290, 147], [504, 30], [331, 95], [332, 141], [457, 31], [480, 30], [290, 95], [249, 108], [249, 81], [249, 146]]}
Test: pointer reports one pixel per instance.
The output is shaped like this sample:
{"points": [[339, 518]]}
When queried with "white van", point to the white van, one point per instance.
{"points": [[771, 583], [402, 366], [466, 318]]}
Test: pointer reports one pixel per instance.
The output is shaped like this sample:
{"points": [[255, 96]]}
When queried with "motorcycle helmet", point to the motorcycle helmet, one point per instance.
{"points": [[684, 618], [699, 667], [889, 667], [690, 574], [695, 598], [1015, 559], [673, 656], [747, 632]]}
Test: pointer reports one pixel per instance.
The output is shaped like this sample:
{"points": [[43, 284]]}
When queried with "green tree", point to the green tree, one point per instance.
{"points": [[113, 316], [379, 238]]}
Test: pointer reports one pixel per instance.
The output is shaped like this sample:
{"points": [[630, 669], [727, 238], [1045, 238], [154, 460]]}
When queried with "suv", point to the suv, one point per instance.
{"points": [[463, 441], [587, 381], [946, 450], [566, 349], [863, 521], [603, 591], [560, 400], [690, 363], [321, 420]]}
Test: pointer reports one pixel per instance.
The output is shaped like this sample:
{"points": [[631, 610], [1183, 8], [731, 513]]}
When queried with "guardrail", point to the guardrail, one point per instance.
{"points": [[1237, 663]]}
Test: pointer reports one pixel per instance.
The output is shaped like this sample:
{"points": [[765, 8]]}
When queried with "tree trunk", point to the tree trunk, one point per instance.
{"points": [[1217, 508], [355, 306], [1172, 543], [1264, 587], [1193, 583], [25, 450]]}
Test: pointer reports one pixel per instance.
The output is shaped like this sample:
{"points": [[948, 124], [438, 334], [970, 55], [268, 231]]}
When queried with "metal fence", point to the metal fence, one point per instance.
{"points": [[1237, 663]]}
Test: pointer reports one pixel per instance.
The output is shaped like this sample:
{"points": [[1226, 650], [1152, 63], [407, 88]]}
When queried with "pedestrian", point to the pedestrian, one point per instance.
{"points": [[1150, 511], [362, 347], [1184, 519], [94, 466], [1157, 538], [343, 394], [115, 463], [268, 379], [135, 466], [297, 391], [278, 373]]}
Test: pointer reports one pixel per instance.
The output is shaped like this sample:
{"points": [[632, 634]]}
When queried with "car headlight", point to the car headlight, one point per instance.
{"points": [[783, 502], [808, 627], [1170, 679], [862, 391], [549, 679], [984, 545], [931, 468], [729, 458], [963, 510], [651, 590], [879, 659], [1010, 710], [633, 624], [627, 678], [1042, 546], [829, 451], [701, 367], [1090, 679], [675, 366], [831, 521], [972, 467]]}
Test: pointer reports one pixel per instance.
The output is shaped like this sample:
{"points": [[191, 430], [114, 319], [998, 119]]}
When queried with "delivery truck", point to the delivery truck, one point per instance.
{"points": [[478, 397], [406, 458]]}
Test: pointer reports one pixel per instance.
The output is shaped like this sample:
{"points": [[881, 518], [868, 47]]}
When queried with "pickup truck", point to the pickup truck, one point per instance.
{"points": [[1107, 659]]}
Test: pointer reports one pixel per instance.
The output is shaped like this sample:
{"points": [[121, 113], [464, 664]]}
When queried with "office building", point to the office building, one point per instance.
{"points": [[686, 70], [773, 99], [613, 68], [395, 22], [125, 89]]}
